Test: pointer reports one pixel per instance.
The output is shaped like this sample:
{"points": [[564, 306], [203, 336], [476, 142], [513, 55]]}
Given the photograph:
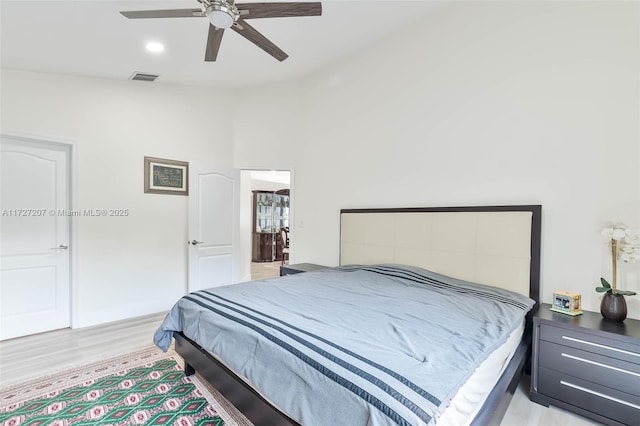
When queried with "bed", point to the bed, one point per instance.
{"points": [[440, 263]]}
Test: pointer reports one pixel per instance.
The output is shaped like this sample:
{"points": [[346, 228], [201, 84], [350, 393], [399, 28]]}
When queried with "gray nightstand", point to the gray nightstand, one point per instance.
{"points": [[299, 268], [587, 365]]}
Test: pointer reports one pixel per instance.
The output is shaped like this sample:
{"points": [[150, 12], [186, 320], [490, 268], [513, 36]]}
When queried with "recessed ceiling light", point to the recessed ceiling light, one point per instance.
{"points": [[155, 47]]}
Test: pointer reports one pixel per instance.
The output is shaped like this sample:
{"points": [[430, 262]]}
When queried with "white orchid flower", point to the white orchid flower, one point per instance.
{"points": [[625, 257], [625, 246], [633, 237], [616, 232]]}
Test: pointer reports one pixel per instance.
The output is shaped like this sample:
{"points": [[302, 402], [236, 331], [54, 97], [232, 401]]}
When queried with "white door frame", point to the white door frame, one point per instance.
{"points": [[73, 197]]}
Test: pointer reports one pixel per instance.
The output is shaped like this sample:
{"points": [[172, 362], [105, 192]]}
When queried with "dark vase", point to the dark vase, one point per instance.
{"points": [[613, 307]]}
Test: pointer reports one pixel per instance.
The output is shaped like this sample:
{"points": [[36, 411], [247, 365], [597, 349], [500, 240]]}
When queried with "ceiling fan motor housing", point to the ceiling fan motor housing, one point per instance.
{"points": [[222, 14]]}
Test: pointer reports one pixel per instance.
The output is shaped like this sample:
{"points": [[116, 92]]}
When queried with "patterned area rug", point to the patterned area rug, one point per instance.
{"points": [[146, 387]]}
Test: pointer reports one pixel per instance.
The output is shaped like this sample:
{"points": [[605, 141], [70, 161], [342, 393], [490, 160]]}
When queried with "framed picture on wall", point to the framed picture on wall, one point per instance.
{"points": [[162, 176]]}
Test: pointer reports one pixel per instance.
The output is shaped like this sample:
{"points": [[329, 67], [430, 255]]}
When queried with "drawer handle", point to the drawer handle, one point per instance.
{"points": [[601, 346], [601, 395], [633, 373]]}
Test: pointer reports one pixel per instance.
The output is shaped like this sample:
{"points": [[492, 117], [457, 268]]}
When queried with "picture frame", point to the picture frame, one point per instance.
{"points": [[163, 176], [567, 303]]}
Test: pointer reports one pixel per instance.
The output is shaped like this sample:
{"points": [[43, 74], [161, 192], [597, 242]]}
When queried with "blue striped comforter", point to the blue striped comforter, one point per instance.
{"points": [[369, 345]]}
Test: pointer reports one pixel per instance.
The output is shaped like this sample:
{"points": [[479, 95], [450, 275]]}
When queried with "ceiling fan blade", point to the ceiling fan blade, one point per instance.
{"points": [[278, 10], [171, 13], [213, 43], [251, 34]]}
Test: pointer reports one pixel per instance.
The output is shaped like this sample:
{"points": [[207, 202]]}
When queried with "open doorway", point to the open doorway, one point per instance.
{"points": [[265, 215]]}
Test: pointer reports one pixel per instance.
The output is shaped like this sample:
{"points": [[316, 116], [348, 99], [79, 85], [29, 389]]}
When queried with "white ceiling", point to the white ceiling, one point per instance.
{"points": [[91, 38]]}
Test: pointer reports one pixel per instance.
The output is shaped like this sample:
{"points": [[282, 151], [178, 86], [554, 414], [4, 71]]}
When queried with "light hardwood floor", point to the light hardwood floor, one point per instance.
{"points": [[33, 356], [262, 270], [41, 354]]}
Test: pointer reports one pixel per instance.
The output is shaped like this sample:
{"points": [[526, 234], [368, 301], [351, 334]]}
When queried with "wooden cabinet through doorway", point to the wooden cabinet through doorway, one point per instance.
{"points": [[270, 213]]}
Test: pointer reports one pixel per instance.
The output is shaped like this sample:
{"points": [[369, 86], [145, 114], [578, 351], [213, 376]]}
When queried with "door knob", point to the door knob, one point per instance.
{"points": [[60, 247], [195, 243]]}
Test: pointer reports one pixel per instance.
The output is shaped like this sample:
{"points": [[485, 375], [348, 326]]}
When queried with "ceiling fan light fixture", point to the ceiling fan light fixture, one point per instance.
{"points": [[221, 14]]}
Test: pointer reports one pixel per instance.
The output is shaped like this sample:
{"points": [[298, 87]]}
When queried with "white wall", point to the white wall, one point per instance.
{"points": [[267, 135], [481, 103], [265, 185], [267, 127], [136, 265]]}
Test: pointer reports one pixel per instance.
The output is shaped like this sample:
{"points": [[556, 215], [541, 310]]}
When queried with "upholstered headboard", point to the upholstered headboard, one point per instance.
{"points": [[498, 246]]}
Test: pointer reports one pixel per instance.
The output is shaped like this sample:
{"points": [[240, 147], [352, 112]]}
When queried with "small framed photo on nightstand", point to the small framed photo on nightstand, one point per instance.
{"points": [[567, 303]]}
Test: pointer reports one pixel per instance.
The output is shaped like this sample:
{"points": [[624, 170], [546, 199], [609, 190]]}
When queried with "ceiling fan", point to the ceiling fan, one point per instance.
{"points": [[224, 14]]}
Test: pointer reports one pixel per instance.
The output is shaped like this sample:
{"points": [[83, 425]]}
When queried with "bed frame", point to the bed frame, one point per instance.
{"points": [[381, 234]]}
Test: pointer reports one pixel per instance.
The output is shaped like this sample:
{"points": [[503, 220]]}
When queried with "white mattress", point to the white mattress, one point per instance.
{"points": [[466, 403]]}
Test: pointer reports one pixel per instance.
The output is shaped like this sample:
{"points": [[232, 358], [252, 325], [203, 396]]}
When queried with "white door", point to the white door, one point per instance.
{"points": [[34, 237], [213, 227]]}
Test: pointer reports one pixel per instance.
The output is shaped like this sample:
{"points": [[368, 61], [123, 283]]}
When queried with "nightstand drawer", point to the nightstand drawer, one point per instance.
{"points": [[613, 373], [617, 405], [600, 345]]}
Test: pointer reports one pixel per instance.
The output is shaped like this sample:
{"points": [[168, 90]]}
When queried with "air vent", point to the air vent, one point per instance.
{"points": [[141, 76]]}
